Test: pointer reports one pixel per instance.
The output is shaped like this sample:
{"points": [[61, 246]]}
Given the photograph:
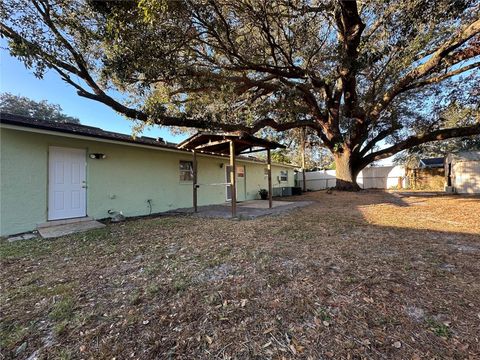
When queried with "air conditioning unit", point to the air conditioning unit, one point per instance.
{"points": [[276, 191], [282, 191]]}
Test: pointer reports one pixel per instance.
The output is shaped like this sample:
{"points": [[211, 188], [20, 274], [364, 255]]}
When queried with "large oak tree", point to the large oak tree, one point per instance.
{"points": [[370, 78]]}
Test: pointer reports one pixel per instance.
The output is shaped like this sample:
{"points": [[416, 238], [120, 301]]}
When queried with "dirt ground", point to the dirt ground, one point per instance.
{"points": [[370, 275]]}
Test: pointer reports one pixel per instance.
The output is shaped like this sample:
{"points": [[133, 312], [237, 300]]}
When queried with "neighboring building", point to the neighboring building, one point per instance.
{"points": [[431, 163], [462, 172], [53, 171]]}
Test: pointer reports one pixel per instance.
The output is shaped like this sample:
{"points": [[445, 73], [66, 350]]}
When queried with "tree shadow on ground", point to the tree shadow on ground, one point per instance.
{"points": [[412, 260], [354, 275]]}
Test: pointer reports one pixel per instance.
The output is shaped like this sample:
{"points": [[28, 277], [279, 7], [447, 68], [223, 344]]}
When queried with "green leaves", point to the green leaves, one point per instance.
{"points": [[151, 8], [354, 71], [42, 110]]}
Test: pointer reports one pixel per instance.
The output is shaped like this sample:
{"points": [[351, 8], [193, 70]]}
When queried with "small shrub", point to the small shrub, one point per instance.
{"points": [[263, 194]]}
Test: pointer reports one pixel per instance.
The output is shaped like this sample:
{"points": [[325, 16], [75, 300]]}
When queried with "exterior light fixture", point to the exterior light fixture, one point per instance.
{"points": [[97, 156]]}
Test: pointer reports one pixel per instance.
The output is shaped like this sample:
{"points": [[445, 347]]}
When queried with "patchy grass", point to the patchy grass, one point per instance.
{"points": [[365, 275], [11, 334], [62, 310], [439, 329]]}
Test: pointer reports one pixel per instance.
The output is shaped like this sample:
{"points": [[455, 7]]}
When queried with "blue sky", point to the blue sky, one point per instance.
{"points": [[18, 80]]}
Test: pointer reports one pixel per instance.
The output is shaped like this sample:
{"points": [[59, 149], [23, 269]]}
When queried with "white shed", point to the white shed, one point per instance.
{"points": [[462, 171], [382, 177]]}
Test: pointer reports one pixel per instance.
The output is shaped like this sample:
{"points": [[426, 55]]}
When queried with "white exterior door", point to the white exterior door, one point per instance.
{"points": [[66, 183], [240, 183]]}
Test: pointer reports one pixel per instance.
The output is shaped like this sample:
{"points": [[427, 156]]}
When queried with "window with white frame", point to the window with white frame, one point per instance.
{"points": [[186, 171], [284, 175]]}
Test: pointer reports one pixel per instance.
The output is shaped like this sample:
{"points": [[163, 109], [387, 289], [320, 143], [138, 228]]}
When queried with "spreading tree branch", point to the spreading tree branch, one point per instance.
{"points": [[440, 78], [437, 135], [81, 70], [465, 34]]}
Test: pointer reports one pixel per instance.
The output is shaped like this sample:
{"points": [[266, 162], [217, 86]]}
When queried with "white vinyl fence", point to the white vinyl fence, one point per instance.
{"points": [[375, 177], [317, 180]]}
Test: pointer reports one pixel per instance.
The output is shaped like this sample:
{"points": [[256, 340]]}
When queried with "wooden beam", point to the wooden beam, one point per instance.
{"points": [[269, 169], [195, 180], [303, 162], [212, 143], [233, 178], [252, 151]]}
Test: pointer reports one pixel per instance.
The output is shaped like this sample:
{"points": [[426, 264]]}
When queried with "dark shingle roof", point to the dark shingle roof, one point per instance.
{"points": [[91, 131], [78, 129], [95, 132]]}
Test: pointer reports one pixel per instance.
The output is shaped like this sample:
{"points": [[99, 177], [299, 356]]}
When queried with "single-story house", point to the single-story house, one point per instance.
{"points": [[462, 172], [51, 171]]}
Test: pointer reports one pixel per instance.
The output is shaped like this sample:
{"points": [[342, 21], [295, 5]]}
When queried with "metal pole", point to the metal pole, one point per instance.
{"points": [[233, 178], [195, 207], [269, 169]]}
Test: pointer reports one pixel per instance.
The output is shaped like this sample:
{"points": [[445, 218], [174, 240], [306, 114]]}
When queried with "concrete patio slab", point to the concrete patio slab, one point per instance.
{"points": [[245, 210], [51, 223], [67, 229], [263, 204]]}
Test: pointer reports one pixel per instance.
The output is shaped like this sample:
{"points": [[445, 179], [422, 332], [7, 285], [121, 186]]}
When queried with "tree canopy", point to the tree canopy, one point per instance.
{"points": [[303, 148], [43, 110], [370, 78], [456, 115]]}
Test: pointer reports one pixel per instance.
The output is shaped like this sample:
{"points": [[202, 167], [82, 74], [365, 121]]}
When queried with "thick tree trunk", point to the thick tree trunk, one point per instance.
{"points": [[346, 172]]}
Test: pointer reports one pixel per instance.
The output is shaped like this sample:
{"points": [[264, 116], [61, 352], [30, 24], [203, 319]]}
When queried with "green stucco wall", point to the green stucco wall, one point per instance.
{"points": [[124, 181]]}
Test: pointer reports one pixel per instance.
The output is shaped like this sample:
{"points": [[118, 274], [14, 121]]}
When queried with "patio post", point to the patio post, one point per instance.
{"points": [[195, 186], [304, 178], [233, 178], [269, 170]]}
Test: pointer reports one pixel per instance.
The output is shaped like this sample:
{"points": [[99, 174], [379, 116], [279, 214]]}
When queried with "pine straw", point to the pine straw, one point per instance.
{"points": [[367, 275]]}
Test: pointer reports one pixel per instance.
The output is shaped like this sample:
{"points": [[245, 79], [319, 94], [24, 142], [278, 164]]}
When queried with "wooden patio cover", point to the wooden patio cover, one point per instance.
{"points": [[232, 144]]}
